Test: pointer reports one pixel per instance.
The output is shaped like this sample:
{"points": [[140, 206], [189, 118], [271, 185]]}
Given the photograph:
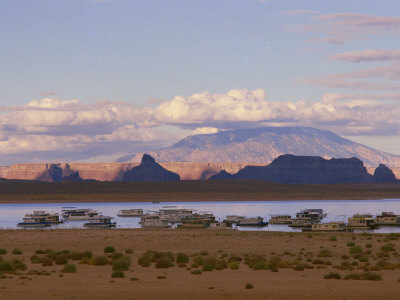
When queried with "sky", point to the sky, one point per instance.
{"points": [[93, 80]]}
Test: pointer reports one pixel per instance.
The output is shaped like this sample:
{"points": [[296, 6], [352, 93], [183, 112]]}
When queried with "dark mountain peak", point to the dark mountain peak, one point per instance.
{"points": [[147, 160], [384, 174], [149, 170]]}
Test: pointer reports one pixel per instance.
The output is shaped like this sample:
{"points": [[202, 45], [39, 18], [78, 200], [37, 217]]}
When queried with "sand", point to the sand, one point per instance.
{"points": [[95, 282]]}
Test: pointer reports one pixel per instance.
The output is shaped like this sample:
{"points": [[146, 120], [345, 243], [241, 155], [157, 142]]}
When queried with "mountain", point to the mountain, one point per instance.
{"points": [[311, 170], [262, 145], [149, 170]]}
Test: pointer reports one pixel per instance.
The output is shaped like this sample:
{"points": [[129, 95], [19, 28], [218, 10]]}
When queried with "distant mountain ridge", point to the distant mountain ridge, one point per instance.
{"points": [[290, 168], [264, 144]]}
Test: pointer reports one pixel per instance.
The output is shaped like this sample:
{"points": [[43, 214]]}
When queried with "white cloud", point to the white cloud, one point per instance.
{"points": [[60, 130]]}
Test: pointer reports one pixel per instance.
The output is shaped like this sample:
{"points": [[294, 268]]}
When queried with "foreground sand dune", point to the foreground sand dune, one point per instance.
{"points": [[95, 282]]}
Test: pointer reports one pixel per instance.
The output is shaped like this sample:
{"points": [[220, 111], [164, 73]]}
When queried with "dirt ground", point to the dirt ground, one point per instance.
{"points": [[95, 282]]}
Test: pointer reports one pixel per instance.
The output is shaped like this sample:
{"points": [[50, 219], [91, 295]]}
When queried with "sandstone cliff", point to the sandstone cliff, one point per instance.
{"points": [[149, 170]]}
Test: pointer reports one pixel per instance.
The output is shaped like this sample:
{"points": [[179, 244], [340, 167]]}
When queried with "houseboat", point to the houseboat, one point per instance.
{"points": [[153, 220], [173, 214], [280, 219], [52, 218], [387, 219], [361, 221], [331, 226], [80, 214], [308, 217], [258, 221], [100, 222], [33, 222], [134, 212]]}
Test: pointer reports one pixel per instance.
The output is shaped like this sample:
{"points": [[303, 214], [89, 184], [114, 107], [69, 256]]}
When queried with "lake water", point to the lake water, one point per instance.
{"points": [[11, 214]]}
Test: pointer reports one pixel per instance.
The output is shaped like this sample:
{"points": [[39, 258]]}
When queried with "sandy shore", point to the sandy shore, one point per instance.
{"points": [[95, 282]]}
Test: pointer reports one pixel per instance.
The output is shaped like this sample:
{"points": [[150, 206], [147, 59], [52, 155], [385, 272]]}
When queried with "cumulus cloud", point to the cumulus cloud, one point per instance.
{"points": [[251, 108], [370, 55], [67, 130]]}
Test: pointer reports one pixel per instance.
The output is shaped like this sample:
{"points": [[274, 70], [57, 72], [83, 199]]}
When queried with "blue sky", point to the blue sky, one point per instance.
{"points": [[113, 77]]}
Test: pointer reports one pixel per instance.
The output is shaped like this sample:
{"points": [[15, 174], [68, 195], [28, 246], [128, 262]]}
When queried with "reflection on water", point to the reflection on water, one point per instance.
{"points": [[11, 214]]}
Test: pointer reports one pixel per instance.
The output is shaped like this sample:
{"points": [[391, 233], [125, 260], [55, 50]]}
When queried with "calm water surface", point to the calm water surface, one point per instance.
{"points": [[11, 214]]}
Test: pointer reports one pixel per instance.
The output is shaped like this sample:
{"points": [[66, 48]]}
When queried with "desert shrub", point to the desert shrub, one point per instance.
{"points": [[60, 260], [368, 245], [182, 258], [145, 260], [121, 264], [221, 264], [233, 265], [363, 259], [76, 255], [204, 253], [6, 266], [249, 286], [87, 254], [194, 266], [109, 249], [161, 277], [46, 262], [392, 237], [234, 257], [116, 255], [211, 260], [181, 265], [198, 260], [69, 268], [100, 260], [332, 276], [333, 238], [16, 251], [350, 244], [3, 251], [371, 276], [355, 250], [363, 276], [134, 279], [35, 259], [196, 272], [255, 259], [352, 276], [164, 262], [325, 253], [40, 251], [299, 268], [18, 264], [260, 265], [317, 261], [117, 274], [388, 247], [344, 256], [354, 263], [128, 251], [207, 267]]}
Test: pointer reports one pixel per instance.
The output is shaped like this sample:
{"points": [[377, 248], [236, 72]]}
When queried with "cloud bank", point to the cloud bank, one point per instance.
{"points": [[52, 129]]}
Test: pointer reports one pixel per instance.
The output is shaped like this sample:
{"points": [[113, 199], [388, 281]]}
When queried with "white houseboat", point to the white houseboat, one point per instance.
{"points": [[308, 217], [80, 214], [280, 219], [100, 222], [52, 218], [388, 219], [361, 221], [34, 222], [134, 212], [331, 226]]}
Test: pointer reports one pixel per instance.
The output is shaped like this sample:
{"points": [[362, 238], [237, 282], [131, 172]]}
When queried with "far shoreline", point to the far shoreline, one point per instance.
{"points": [[190, 191]]}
